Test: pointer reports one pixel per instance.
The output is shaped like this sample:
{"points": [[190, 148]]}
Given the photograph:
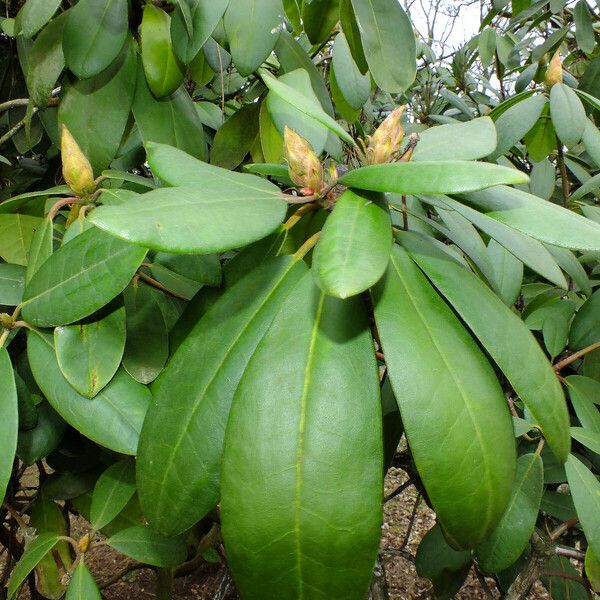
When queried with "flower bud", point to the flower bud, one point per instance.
{"points": [[386, 140], [77, 170], [304, 166], [554, 72], [84, 543]]}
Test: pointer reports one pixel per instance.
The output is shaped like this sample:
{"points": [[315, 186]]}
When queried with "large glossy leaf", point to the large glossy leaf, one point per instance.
{"points": [[89, 354], [202, 18], [585, 489], [457, 422], [81, 277], [82, 585], [35, 14], [352, 33], [389, 43], [510, 538], [179, 458], [252, 29], [319, 17], [568, 114], [538, 218], [37, 443], [89, 110], [112, 419], [16, 233], [353, 251], [113, 490], [584, 28], [504, 336], [457, 141], [305, 430], [12, 284], [585, 329], [9, 419], [94, 35], [147, 546], [435, 177], [40, 248], [354, 86]]}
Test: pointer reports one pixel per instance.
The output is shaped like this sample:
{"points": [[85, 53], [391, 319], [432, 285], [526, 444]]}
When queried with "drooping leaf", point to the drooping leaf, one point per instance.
{"points": [[12, 284], [35, 14], [510, 538], [584, 29], [592, 568], [585, 329], [112, 419], [319, 17], [16, 233], [486, 315], [434, 177], [583, 392], [89, 354], [507, 272], [40, 248], [389, 43], [94, 35], [295, 444], [112, 492], [9, 419], [352, 33], [354, 248], [181, 452], [37, 443], [568, 114], [540, 140], [590, 439], [80, 278], [354, 86], [568, 262], [468, 470], [147, 546], [82, 585]]}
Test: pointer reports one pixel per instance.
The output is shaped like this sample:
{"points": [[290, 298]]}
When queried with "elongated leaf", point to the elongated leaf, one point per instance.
{"points": [[37, 443], [435, 177], [33, 554], [538, 218], [592, 569], [94, 35], [532, 378], [149, 547], [16, 233], [180, 452], [12, 284], [590, 439], [295, 444], [468, 470], [112, 492], [584, 34], [354, 86], [9, 420], [112, 419], [585, 489], [583, 393], [40, 248], [251, 28], [507, 272], [569, 264], [352, 33], [568, 114], [35, 14], [585, 329], [508, 541], [461, 141], [319, 17], [80, 278], [388, 41], [90, 354], [82, 585], [353, 251]]}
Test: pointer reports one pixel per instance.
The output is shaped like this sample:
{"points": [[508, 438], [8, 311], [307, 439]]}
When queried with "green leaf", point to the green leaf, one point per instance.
{"points": [[568, 114], [80, 278], [354, 86], [112, 419], [538, 218], [583, 393], [290, 435], [252, 30], [435, 177], [306, 105], [513, 124], [113, 490], [35, 14], [590, 439], [16, 233], [319, 17], [389, 43], [592, 569], [9, 420], [510, 538], [486, 43], [12, 284], [40, 248], [485, 314], [507, 272], [164, 73], [82, 585], [354, 249], [89, 110], [346, 112], [585, 489], [202, 18], [585, 329], [352, 33], [173, 120], [569, 263], [94, 35], [543, 179], [89, 354], [563, 587], [37, 443], [468, 471], [179, 458], [556, 333], [541, 138], [461, 141], [147, 546], [584, 32], [40, 546]]}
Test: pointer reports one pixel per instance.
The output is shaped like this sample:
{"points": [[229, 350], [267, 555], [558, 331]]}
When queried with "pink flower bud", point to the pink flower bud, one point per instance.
{"points": [[304, 166]]}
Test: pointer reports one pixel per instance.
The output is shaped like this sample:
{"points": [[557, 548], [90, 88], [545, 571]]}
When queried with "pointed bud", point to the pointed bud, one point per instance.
{"points": [[304, 166], [84, 543], [77, 170], [386, 140], [554, 72]]}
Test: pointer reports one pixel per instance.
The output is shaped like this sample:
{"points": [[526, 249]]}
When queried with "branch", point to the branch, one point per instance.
{"points": [[577, 355], [159, 286]]}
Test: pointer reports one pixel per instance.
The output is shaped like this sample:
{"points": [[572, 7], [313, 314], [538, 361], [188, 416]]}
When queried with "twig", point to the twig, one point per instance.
{"points": [[379, 589], [398, 491], [210, 540], [577, 355], [554, 535], [19, 102], [411, 522], [570, 553], [159, 286], [116, 578], [564, 575], [564, 178], [303, 210], [307, 246], [60, 203], [486, 588], [404, 214]]}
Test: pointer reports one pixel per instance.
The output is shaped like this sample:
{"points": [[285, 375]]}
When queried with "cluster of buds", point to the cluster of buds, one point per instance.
{"points": [[304, 166], [76, 168], [384, 144], [554, 73]]}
